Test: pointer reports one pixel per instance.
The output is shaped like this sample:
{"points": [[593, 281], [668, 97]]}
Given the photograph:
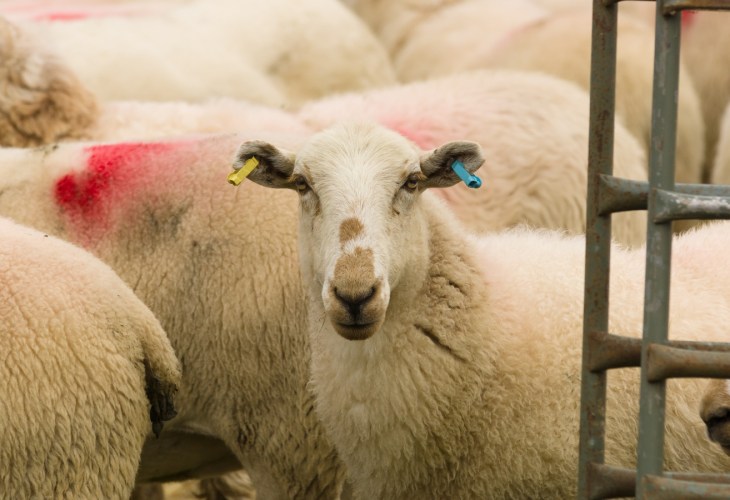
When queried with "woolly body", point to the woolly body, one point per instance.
{"points": [[218, 267], [76, 343], [536, 172], [269, 52], [706, 50], [533, 129], [46, 103], [526, 36], [42, 101], [470, 388]]}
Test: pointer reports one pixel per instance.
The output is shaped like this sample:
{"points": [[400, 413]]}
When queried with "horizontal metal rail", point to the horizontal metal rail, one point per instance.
{"points": [[667, 488], [670, 205], [664, 361], [609, 351], [673, 6], [616, 194], [608, 481]]}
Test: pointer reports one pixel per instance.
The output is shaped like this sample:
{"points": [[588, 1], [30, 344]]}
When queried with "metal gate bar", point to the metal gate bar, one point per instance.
{"points": [[658, 357]]}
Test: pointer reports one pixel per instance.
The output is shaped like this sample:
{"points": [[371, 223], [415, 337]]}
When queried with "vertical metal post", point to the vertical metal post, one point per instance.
{"points": [[659, 241], [598, 237]]}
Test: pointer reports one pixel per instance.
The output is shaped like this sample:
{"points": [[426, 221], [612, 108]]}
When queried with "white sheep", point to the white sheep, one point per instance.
{"points": [[721, 165], [278, 52], [557, 43], [537, 173], [45, 103], [533, 128], [81, 357], [706, 51], [42, 101], [162, 215], [569, 58], [715, 412], [446, 365]]}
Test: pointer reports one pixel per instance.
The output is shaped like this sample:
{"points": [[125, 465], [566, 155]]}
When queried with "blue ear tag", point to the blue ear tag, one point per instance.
{"points": [[470, 180]]}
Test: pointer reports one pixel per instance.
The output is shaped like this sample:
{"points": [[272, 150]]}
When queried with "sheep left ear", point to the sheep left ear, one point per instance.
{"points": [[275, 166], [436, 164]]}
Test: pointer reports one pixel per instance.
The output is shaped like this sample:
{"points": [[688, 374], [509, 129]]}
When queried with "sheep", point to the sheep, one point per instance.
{"points": [[42, 101], [721, 166], [715, 412], [269, 52], [557, 43], [162, 215], [705, 42], [534, 129], [570, 59], [46, 103], [442, 29], [427, 341], [505, 111], [81, 357]]}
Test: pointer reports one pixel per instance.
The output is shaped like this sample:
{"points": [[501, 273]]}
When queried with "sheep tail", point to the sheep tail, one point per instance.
{"points": [[162, 375]]}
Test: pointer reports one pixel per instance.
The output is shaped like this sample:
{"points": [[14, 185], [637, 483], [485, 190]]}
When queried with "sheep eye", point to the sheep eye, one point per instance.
{"points": [[301, 185], [411, 183]]}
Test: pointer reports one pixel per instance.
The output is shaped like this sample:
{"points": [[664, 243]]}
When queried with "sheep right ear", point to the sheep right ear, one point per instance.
{"points": [[274, 168]]}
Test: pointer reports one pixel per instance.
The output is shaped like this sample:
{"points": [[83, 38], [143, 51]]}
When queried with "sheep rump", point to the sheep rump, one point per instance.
{"points": [[86, 366]]}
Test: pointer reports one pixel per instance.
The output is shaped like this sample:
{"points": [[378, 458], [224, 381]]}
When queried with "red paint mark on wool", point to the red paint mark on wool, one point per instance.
{"points": [[688, 18], [420, 135], [62, 16], [113, 171]]}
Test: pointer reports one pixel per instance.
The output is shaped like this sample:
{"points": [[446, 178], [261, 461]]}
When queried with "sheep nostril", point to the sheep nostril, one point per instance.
{"points": [[354, 302], [717, 420]]}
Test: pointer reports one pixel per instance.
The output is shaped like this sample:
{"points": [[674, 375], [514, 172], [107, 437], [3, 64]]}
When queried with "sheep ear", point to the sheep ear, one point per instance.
{"points": [[274, 167], [436, 164]]}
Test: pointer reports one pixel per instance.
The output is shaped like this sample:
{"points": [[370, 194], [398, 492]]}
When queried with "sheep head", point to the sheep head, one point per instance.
{"points": [[361, 226], [715, 412], [42, 101]]}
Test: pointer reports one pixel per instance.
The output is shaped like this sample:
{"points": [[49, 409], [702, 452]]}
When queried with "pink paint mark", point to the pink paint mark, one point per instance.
{"points": [[62, 16], [112, 170], [688, 18], [420, 136]]}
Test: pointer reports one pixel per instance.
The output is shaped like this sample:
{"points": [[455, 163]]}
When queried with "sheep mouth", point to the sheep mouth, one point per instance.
{"points": [[356, 331]]}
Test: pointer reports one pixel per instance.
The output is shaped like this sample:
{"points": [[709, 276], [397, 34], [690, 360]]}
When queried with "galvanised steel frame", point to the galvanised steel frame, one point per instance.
{"points": [[665, 201]]}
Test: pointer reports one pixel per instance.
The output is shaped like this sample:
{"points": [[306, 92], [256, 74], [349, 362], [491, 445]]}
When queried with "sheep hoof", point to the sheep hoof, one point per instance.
{"points": [[160, 396]]}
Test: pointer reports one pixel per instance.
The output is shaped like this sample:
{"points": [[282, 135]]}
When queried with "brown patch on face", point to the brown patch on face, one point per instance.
{"points": [[357, 310], [350, 229], [355, 271]]}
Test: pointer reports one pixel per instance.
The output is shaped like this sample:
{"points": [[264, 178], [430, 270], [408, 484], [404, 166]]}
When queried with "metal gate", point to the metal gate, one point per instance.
{"points": [[665, 201]]}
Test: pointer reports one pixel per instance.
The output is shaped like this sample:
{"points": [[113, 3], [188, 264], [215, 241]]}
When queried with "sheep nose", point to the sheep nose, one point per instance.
{"points": [[355, 301], [717, 425]]}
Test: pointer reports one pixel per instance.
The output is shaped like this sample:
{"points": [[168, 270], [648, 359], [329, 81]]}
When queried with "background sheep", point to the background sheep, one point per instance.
{"points": [[269, 52], [46, 103], [557, 43], [706, 50], [721, 167], [80, 353], [465, 379], [715, 412], [537, 173], [533, 128], [42, 101], [163, 216]]}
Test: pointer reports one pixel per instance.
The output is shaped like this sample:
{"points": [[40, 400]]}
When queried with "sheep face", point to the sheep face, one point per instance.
{"points": [[360, 229], [715, 412]]}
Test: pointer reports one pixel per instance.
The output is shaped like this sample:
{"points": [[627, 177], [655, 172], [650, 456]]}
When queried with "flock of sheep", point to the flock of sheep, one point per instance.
{"points": [[384, 332]]}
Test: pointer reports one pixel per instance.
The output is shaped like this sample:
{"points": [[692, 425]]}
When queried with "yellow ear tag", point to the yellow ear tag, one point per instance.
{"points": [[238, 176]]}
